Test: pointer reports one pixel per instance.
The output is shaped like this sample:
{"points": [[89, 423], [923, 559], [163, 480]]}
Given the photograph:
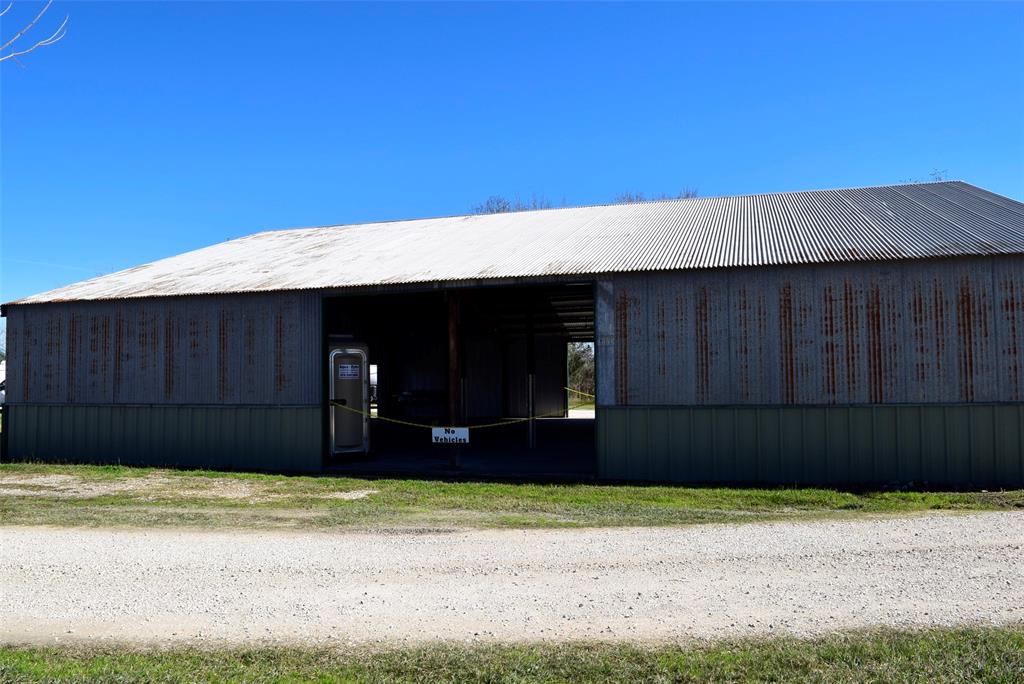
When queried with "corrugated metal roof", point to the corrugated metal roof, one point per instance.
{"points": [[856, 224]]}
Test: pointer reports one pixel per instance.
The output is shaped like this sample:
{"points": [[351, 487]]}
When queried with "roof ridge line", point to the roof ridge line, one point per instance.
{"points": [[667, 200]]}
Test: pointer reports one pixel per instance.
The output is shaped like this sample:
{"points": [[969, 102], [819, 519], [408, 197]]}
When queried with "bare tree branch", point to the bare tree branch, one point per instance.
{"points": [[50, 40], [630, 197], [28, 26], [498, 204], [54, 37]]}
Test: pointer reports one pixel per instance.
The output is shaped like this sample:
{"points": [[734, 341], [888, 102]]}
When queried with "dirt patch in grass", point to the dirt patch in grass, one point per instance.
{"points": [[73, 487], [350, 496], [155, 486]]}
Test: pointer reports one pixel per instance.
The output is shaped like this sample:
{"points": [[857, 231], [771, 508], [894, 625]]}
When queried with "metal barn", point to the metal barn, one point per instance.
{"points": [[846, 337]]}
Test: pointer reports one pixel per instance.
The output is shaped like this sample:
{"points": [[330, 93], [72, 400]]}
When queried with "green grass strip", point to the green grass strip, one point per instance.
{"points": [[960, 655], [111, 496]]}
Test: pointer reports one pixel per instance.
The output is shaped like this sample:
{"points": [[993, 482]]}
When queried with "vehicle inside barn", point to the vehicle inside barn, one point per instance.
{"points": [[492, 359]]}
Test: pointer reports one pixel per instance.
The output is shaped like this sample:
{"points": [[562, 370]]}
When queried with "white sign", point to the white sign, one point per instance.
{"points": [[449, 435], [349, 371]]}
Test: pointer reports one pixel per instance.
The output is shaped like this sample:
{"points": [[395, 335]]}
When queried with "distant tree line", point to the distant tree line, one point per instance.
{"points": [[499, 204], [634, 197], [581, 371]]}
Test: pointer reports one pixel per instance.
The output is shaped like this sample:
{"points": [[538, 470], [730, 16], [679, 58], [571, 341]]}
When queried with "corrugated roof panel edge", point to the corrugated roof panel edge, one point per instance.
{"points": [[876, 223], [497, 281]]}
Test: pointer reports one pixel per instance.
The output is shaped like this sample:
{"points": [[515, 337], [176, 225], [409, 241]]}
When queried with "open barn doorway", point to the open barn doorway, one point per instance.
{"points": [[493, 359], [581, 375]]}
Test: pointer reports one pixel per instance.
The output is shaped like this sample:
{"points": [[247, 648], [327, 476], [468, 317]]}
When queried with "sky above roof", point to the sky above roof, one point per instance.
{"points": [[159, 127]]}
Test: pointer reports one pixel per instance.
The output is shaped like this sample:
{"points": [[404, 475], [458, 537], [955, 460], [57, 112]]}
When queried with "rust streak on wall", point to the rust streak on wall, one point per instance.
{"points": [[919, 334], [166, 352], [26, 374], [703, 345], [279, 351], [965, 335], [801, 343], [875, 364], [851, 325], [153, 341], [105, 342], [223, 329], [54, 339], [622, 348], [168, 356], [142, 340], [94, 347], [743, 346], [659, 332], [250, 343], [1010, 309], [829, 338], [940, 325], [681, 343], [118, 353], [762, 334], [890, 381], [73, 352], [786, 343]]}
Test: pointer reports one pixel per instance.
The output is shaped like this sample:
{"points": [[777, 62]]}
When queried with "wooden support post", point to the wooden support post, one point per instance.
{"points": [[531, 403], [531, 380], [454, 372]]}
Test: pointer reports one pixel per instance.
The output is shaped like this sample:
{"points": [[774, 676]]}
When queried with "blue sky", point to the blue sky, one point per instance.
{"points": [[159, 127]]}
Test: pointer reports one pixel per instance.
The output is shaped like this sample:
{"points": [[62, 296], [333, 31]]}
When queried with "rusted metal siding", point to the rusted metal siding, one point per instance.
{"points": [[226, 350], [1009, 328], [932, 331]]}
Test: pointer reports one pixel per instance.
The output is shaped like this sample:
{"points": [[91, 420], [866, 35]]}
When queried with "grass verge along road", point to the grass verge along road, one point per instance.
{"points": [[113, 496], [961, 655]]}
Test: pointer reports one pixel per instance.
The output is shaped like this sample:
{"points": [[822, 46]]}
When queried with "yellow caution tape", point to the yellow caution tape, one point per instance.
{"points": [[389, 420], [578, 392], [508, 421]]}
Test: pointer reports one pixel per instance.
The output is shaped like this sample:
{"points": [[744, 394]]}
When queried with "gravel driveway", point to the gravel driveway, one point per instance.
{"points": [[160, 587]]}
